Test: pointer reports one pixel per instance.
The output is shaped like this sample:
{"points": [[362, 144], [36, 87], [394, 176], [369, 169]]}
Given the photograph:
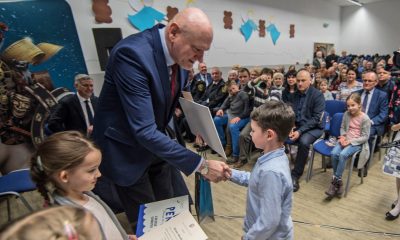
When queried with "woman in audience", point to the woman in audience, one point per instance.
{"points": [[65, 168], [277, 82], [63, 222], [254, 73], [323, 87], [290, 86], [354, 134], [342, 77], [351, 85], [394, 115]]}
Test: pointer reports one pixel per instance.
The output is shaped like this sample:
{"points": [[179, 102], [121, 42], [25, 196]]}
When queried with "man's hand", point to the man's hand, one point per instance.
{"points": [[235, 120], [294, 135], [217, 171], [220, 113], [178, 112], [89, 130]]}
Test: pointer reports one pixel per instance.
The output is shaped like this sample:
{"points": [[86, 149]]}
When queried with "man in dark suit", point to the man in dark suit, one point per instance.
{"points": [[215, 93], [76, 111], [203, 75], [308, 104], [375, 104], [143, 79]]}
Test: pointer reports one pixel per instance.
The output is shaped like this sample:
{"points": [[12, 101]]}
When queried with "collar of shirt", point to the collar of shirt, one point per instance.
{"points": [[370, 92], [270, 155], [168, 58], [82, 99], [304, 93]]}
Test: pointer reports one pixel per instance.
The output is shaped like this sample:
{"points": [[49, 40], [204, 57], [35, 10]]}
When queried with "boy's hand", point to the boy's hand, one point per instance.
{"points": [[396, 127], [220, 113]]}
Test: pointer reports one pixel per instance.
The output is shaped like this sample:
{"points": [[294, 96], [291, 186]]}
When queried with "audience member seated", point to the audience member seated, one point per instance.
{"points": [[318, 60], [254, 73], [331, 58], [61, 222], [323, 87], [262, 93], [233, 75], [65, 169], [203, 74], [375, 105], [354, 134], [351, 85], [215, 93], [342, 77], [234, 112], [309, 105], [76, 111], [290, 86], [277, 82], [385, 83]]}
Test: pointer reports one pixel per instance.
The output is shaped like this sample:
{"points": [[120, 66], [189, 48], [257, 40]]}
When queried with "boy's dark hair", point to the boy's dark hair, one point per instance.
{"points": [[241, 70], [267, 71], [277, 116], [230, 83]]}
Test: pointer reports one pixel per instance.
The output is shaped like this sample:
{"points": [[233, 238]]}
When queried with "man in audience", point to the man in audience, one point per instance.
{"points": [[308, 105], [343, 58], [76, 111], [384, 81], [215, 93], [203, 74], [331, 58], [375, 105], [318, 60]]}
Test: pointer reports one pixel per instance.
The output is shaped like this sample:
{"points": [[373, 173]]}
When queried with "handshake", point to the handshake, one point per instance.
{"points": [[215, 171]]}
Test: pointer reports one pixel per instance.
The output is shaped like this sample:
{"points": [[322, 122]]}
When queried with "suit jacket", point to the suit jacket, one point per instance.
{"points": [[134, 108], [197, 77], [311, 112], [378, 110], [69, 115]]}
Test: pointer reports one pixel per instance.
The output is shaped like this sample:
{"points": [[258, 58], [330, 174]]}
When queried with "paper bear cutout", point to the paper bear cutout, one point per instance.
{"points": [[171, 12], [261, 27], [291, 31], [102, 11], [228, 21]]}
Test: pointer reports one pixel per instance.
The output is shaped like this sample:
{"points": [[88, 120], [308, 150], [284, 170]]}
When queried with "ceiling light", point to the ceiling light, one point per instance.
{"points": [[355, 2]]}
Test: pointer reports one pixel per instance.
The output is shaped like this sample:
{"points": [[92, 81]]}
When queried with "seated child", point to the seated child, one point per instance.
{"points": [[269, 197]]}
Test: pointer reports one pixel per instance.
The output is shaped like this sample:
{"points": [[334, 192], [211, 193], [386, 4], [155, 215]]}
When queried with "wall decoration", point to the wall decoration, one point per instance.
{"points": [[146, 18], [25, 19], [171, 12], [291, 31], [188, 2], [228, 21], [102, 11], [273, 32], [261, 28], [247, 29]]}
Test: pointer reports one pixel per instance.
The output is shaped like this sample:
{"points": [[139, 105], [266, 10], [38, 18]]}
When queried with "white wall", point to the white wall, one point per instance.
{"points": [[229, 47], [373, 28]]}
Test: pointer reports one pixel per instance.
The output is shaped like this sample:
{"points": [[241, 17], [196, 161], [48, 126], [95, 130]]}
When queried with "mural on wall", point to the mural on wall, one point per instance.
{"points": [[273, 32], [102, 11], [248, 26], [228, 21], [261, 28], [146, 16], [28, 72]]}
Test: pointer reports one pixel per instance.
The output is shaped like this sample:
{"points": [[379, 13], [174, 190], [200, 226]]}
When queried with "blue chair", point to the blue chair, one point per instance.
{"points": [[335, 106], [14, 183], [321, 147]]}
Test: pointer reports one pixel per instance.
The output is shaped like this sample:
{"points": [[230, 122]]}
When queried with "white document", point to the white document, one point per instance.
{"points": [[157, 213], [180, 227], [200, 122]]}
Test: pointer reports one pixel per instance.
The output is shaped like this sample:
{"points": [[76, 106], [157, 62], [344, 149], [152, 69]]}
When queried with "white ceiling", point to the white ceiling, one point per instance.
{"points": [[346, 3]]}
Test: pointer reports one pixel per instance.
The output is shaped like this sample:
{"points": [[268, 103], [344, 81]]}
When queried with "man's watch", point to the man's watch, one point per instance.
{"points": [[204, 168]]}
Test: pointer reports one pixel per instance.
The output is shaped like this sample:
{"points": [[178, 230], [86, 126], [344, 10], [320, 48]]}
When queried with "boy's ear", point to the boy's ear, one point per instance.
{"points": [[270, 134], [63, 176]]}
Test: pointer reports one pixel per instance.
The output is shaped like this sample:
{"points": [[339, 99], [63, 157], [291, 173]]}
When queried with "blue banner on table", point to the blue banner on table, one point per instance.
{"points": [[203, 198]]}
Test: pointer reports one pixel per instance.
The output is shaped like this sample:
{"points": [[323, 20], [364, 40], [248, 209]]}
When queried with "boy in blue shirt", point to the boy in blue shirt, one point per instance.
{"points": [[270, 188]]}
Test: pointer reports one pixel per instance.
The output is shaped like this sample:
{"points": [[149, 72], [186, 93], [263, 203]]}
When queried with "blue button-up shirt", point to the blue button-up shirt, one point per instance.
{"points": [[269, 197]]}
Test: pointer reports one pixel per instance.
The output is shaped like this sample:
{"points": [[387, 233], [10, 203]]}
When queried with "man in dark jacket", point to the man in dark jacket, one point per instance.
{"points": [[308, 105]]}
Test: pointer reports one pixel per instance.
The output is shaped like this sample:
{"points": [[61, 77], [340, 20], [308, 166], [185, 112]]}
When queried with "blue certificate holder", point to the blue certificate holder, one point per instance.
{"points": [[203, 199]]}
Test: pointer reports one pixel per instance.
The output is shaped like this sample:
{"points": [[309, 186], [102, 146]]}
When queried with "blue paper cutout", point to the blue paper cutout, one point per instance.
{"points": [[247, 29], [273, 31], [145, 18]]}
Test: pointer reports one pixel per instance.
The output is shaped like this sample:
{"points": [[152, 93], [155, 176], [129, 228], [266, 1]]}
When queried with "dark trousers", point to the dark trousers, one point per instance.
{"points": [[154, 185], [303, 143]]}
